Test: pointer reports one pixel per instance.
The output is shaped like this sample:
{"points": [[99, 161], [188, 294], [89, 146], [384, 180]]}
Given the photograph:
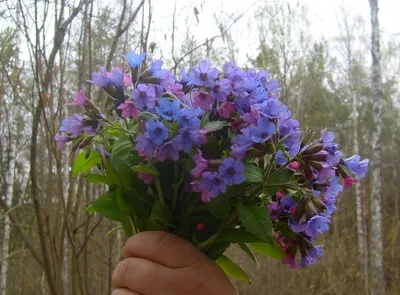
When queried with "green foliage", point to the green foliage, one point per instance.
{"points": [[232, 269], [256, 220], [121, 151], [84, 162], [253, 174], [269, 250]]}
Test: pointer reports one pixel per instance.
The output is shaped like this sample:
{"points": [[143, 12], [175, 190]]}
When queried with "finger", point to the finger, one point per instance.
{"points": [[162, 248], [120, 291], [142, 276]]}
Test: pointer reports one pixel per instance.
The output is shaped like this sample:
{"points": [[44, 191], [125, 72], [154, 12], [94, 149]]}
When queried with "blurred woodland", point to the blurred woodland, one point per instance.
{"points": [[48, 49]]}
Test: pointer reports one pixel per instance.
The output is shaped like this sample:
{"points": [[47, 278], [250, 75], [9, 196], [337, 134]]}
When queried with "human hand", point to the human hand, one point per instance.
{"points": [[160, 263]]}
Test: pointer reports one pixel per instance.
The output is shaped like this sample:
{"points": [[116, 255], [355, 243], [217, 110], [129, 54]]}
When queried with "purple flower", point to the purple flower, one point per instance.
{"points": [[186, 79], [259, 95], [201, 164], [186, 138], [144, 96], [202, 100], [273, 108], [317, 224], [61, 140], [168, 150], [330, 194], [79, 99], [287, 126], [73, 124], [349, 181], [288, 204], [100, 79], [145, 146], [244, 141], [232, 171], [311, 257], [327, 140], [176, 89], [118, 78], [129, 110], [275, 210], [357, 167], [189, 118], [169, 110], [273, 87], [252, 116], [239, 86], [263, 131], [280, 158], [204, 75], [221, 90], [156, 66], [297, 226], [230, 70], [212, 183], [147, 178], [156, 131], [226, 108], [135, 60], [327, 172]]}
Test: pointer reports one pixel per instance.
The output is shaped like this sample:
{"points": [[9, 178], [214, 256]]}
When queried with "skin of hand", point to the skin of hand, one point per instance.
{"points": [[160, 263]]}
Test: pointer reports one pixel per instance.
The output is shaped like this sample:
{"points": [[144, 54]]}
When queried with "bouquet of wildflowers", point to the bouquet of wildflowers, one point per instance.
{"points": [[213, 157]]}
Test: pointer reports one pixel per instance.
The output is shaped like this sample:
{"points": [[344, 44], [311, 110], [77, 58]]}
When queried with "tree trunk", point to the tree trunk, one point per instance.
{"points": [[377, 270], [9, 196]]}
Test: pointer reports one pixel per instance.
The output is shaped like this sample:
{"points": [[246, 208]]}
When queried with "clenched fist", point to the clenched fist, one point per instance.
{"points": [[159, 263]]}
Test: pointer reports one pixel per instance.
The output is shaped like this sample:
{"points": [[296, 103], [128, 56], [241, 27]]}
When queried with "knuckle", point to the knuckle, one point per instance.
{"points": [[121, 272]]}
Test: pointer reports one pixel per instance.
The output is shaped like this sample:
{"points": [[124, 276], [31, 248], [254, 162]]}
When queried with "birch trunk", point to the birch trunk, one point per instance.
{"points": [[361, 226], [8, 199], [377, 270]]}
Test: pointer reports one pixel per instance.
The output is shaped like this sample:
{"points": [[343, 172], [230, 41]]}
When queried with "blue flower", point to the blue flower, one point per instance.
{"points": [[204, 75], [144, 96], [357, 167], [232, 171], [100, 79], [189, 118], [135, 60], [145, 146], [273, 108], [263, 131], [169, 110], [212, 183], [317, 224], [156, 131], [311, 257], [186, 138]]}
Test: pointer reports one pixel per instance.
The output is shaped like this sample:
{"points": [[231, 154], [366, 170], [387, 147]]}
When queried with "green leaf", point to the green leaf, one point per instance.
{"points": [[253, 174], [121, 152], [112, 176], [256, 220], [217, 249], [248, 251], [115, 229], [238, 236], [215, 125], [145, 116], [160, 217], [123, 205], [232, 269], [107, 207], [97, 179], [141, 204], [281, 177], [145, 169], [84, 164], [269, 250], [219, 207]]}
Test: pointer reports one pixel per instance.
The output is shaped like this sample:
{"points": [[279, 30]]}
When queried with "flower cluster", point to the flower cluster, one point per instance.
{"points": [[214, 134]]}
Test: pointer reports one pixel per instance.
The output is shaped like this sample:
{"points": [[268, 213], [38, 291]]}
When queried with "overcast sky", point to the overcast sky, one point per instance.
{"points": [[323, 15]]}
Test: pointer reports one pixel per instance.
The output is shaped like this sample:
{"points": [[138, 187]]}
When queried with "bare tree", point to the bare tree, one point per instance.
{"points": [[377, 270]]}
